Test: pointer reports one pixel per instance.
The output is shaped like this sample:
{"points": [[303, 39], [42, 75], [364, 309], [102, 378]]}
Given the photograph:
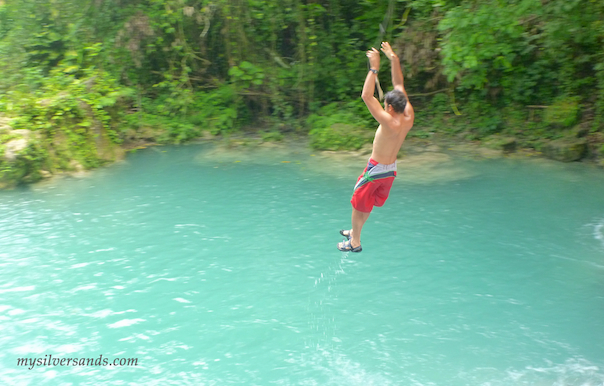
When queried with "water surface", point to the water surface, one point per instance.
{"points": [[219, 267]]}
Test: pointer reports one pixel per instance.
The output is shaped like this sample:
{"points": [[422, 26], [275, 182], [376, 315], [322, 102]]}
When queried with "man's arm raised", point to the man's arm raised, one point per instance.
{"points": [[397, 76], [374, 106], [395, 64]]}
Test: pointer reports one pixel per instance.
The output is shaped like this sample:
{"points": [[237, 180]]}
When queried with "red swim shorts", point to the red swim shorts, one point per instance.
{"points": [[373, 186]]}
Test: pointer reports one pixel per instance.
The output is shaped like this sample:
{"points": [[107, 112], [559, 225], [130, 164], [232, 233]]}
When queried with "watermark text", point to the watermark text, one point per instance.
{"points": [[48, 361]]}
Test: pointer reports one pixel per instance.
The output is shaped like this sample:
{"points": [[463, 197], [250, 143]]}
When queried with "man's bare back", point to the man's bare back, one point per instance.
{"points": [[394, 125], [387, 144]]}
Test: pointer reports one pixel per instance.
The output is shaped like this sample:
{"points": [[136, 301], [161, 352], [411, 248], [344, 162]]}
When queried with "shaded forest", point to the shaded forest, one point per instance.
{"points": [[82, 78]]}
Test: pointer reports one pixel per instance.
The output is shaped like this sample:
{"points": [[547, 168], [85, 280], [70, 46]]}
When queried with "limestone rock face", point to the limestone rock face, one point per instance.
{"points": [[18, 143], [76, 166], [15, 166], [566, 150], [13, 148], [4, 125], [45, 174]]}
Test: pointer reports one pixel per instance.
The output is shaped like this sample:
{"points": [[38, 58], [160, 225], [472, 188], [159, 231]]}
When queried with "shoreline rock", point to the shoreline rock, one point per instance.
{"points": [[437, 149], [18, 156], [566, 150]]}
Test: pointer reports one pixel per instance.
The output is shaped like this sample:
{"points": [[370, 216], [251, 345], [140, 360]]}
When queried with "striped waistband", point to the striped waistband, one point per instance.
{"points": [[376, 171], [374, 167]]}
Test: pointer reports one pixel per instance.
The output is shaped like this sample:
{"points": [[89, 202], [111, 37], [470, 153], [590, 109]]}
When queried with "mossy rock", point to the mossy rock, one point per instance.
{"points": [[24, 168], [11, 173], [505, 144], [566, 150], [21, 158]]}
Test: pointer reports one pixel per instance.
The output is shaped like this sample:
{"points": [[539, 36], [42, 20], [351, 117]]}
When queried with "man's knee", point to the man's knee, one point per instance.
{"points": [[362, 208]]}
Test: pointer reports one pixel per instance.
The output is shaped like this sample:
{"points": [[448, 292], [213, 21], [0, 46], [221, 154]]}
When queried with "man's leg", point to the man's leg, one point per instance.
{"points": [[358, 220]]}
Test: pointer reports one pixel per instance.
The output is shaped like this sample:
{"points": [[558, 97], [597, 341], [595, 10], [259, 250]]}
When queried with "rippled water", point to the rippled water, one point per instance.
{"points": [[220, 268]]}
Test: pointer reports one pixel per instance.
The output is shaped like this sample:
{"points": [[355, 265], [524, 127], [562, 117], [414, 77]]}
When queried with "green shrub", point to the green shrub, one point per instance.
{"points": [[217, 110], [483, 118], [563, 113], [271, 136], [419, 133], [70, 109], [337, 127], [339, 136], [439, 104]]}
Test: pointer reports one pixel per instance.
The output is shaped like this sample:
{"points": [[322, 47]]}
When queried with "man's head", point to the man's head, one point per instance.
{"points": [[397, 100]]}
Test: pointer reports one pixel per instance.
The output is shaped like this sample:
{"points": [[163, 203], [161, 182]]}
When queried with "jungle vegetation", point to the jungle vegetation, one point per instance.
{"points": [[88, 76]]}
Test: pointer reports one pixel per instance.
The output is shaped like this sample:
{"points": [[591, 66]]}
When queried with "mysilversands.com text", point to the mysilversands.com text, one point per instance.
{"points": [[48, 360]]}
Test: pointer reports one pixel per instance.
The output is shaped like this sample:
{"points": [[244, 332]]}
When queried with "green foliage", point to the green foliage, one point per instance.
{"points": [[337, 128], [71, 109], [271, 136], [80, 71], [521, 51], [217, 110], [599, 105], [471, 53], [5, 21], [563, 113], [419, 133], [246, 75], [339, 136], [26, 167], [478, 118], [439, 106]]}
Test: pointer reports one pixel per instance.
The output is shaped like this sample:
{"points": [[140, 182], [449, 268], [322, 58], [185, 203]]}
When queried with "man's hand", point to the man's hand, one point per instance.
{"points": [[374, 58], [386, 49]]}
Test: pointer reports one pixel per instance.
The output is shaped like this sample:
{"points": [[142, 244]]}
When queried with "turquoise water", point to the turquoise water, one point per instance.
{"points": [[220, 268]]}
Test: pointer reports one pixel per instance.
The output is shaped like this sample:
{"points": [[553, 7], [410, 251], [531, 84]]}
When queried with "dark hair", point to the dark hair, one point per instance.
{"points": [[397, 100]]}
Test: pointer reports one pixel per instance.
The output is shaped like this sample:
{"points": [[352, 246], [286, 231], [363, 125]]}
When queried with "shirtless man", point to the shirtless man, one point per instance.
{"points": [[395, 119]]}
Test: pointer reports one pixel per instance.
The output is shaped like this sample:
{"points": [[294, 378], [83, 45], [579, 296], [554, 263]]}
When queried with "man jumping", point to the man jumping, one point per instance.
{"points": [[395, 119]]}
